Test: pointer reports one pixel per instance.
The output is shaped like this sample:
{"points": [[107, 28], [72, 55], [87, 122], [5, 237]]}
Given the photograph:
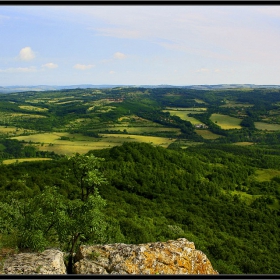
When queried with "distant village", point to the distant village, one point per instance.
{"points": [[201, 126]]}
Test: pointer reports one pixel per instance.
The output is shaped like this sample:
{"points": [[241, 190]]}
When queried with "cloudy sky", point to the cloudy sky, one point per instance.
{"points": [[139, 45]]}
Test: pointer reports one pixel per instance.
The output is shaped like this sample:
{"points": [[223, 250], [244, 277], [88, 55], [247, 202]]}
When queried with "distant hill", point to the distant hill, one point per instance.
{"points": [[11, 89]]}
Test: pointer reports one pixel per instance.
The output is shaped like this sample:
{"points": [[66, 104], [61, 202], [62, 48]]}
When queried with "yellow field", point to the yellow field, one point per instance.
{"points": [[10, 161], [82, 144], [267, 126], [143, 129], [158, 141], [183, 114], [74, 147], [41, 137], [13, 130], [207, 134], [33, 108], [226, 122]]}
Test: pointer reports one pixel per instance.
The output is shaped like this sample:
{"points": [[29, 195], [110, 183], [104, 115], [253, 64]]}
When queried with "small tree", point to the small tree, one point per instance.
{"points": [[49, 219], [85, 169]]}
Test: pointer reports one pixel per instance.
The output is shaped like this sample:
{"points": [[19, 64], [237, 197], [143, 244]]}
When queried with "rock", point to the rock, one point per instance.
{"points": [[171, 257], [48, 262]]}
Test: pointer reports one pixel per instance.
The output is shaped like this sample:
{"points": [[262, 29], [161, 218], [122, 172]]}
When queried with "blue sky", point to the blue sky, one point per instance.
{"points": [[139, 45]]}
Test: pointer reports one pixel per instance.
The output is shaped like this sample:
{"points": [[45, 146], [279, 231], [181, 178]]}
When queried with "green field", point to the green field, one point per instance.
{"points": [[266, 174], [140, 129], [248, 198], [18, 160], [82, 144], [207, 134], [183, 114], [226, 122], [267, 126], [33, 108], [243, 143], [232, 104], [157, 141]]}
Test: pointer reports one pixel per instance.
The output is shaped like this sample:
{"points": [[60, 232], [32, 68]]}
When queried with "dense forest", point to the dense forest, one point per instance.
{"points": [[222, 193]]}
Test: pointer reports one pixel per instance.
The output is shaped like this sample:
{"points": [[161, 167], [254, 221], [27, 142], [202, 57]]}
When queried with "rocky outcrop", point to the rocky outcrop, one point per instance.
{"points": [[48, 262], [171, 257]]}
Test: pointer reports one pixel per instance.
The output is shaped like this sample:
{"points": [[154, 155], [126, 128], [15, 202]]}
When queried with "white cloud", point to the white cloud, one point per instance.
{"points": [[112, 72], [119, 55], [83, 66], [202, 70], [19, 70], [50, 65], [26, 54]]}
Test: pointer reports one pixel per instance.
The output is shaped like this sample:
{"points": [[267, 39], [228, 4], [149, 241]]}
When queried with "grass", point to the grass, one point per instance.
{"points": [[226, 122], [243, 143], [267, 126], [13, 130], [186, 109], [232, 104], [266, 174], [141, 129], [207, 134], [33, 108], [82, 144], [199, 101], [18, 160], [248, 198], [70, 149], [158, 141], [183, 114]]}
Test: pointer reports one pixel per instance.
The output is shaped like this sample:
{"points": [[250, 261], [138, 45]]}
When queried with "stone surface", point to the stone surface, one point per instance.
{"points": [[171, 257], [48, 262]]}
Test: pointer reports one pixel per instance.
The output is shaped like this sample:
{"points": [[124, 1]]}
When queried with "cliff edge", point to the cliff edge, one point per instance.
{"points": [[171, 257]]}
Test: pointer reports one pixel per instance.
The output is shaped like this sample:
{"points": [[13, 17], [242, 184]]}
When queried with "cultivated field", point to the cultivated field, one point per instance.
{"points": [[157, 141], [12, 130], [183, 114], [232, 104], [207, 134], [243, 143], [82, 144], [267, 126], [18, 160], [226, 122], [140, 129], [33, 108]]}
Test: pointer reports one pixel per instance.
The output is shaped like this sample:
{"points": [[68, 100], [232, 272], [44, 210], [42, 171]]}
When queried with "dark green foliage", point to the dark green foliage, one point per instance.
{"points": [[151, 194]]}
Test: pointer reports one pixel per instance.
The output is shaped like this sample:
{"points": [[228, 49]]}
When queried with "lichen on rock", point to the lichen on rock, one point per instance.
{"points": [[171, 257]]}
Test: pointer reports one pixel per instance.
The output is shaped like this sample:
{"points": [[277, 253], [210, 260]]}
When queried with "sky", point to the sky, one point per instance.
{"points": [[139, 44]]}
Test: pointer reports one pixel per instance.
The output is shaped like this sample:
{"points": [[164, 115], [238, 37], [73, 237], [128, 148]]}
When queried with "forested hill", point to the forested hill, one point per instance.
{"points": [[213, 196]]}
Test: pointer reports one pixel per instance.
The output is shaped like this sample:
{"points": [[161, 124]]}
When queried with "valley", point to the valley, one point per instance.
{"points": [[200, 164]]}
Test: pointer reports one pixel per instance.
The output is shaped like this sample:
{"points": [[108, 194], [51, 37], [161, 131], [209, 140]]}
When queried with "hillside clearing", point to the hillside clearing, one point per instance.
{"points": [[225, 121]]}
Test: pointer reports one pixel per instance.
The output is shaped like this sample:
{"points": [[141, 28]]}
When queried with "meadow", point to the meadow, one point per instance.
{"points": [[267, 126], [79, 143], [19, 160], [207, 134], [184, 114], [266, 174], [226, 122]]}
